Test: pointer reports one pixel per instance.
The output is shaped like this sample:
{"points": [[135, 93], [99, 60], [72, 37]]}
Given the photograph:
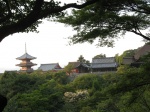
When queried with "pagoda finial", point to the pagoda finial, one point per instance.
{"points": [[25, 48]]}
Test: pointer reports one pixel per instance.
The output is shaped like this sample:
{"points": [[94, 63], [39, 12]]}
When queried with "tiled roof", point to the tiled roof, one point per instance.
{"points": [[104, 65], [77, 64], [142, 51], [103, 60], [26, 56], [74, 64], [85, 65], [47, 67], [108, 62]]}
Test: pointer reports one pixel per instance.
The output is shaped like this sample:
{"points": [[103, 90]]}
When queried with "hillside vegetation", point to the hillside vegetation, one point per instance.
{"points": [[127, 90]]}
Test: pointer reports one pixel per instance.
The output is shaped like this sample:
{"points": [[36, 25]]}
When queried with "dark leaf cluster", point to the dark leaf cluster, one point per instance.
{"points": [[107, 20], [26, 15]]}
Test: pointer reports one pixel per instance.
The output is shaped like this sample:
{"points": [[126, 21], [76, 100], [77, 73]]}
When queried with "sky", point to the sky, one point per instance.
{"points": [[50, 45]]}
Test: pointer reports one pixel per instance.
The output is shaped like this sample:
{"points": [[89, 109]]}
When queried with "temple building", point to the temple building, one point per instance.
{"points": [[78, 67], [26, 64], [50, 67], [107, 64]]}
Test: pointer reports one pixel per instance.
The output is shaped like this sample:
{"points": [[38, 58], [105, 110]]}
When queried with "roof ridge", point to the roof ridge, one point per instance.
{"points": [[104, 63], [49, 63], [104, 58]]}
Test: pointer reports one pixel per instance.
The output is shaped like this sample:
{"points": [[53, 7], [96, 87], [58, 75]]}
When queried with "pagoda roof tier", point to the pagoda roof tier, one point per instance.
{"points": [[26, 56], [28, 71], [26, 64]]}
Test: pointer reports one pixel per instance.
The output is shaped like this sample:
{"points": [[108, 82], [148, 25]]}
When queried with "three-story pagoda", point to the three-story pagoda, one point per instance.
{"points": [[26, 64]]}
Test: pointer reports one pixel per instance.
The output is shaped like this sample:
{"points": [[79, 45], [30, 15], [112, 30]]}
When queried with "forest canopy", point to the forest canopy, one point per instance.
{"points": [[127, 90]]}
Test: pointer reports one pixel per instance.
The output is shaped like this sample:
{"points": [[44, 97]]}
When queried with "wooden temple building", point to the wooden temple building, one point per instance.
{"points": [[26, 64], [50, 67], [78, 67], [107, 64]]}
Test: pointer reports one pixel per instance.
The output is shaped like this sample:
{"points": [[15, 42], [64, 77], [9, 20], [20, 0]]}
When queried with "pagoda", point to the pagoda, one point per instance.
{"points": [[26, 64]]}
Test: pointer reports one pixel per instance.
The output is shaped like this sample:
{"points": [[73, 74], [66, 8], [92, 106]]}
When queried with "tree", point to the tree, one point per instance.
{"points": [[68, 68], [117, 58], [82, 60], [100, 56], [114, 18], [25, 15], [107, 20], [123, 91]]}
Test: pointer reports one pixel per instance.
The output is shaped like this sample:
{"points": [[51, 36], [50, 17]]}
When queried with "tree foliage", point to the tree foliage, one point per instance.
{"points": [[25, 15], [108, 20], [100, 19], [68, 68], [82, 60], [100, 56], [127, 90]]}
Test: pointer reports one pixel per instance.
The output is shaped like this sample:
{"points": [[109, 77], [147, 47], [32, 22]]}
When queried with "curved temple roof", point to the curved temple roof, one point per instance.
{"points": [[47, 67], [26, 56]]}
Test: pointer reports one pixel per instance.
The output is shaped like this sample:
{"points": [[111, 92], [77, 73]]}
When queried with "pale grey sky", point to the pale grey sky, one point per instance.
{"points": [[50, 46]]}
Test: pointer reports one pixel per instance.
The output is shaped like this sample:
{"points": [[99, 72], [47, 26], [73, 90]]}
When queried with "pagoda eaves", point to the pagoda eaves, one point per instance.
{"points": [[26, 64], [26, 56]]}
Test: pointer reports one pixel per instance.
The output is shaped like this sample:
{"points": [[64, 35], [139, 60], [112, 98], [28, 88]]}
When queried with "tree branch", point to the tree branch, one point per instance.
{"points": [[24, 23], [58, 9], [35, 15], [140, 34]]}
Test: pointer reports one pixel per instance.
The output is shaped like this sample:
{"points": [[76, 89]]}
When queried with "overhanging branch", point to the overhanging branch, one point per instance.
{"points": [[35, 15], [58, 9], [140, 34], [24, 23]]}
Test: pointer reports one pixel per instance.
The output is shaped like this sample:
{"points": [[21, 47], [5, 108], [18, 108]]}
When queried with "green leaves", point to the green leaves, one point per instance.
{"points": [[125, 90], [106, 20]]}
